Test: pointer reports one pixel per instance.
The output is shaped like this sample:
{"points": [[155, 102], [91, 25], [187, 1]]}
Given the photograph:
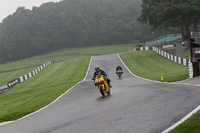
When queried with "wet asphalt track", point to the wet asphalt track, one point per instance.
{"points": [[134, 106]]}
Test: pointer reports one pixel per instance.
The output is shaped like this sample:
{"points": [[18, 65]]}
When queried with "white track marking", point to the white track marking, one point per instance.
{"points": [[136, 75], [184, 118]]}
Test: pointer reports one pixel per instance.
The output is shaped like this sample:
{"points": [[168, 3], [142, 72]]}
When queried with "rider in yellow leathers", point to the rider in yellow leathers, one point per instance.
{"points": [[99, 71]]}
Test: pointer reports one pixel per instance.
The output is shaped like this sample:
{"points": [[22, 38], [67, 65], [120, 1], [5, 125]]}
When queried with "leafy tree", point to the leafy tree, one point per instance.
{"points": [[70, 23], [161, 14]]}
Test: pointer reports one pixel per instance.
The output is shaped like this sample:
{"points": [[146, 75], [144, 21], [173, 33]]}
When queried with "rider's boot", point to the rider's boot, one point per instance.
{"points": [[109, 85]]}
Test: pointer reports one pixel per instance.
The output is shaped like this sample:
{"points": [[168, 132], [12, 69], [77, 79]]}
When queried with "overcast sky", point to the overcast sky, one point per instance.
{"points": [[8, 7]]}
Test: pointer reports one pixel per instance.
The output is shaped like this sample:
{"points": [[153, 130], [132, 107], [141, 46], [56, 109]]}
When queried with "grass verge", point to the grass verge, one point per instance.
{"points": [[66, 54], [14, 74], [58, 56], [42, 89], [51, 82], [189, 126], [148, 64], [54, 80]]}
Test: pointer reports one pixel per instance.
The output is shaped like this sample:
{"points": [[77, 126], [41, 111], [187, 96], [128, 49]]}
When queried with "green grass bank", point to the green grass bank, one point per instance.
{"points": [[58, 56], [192, 125], [42, 89], [148, 64], [55, 79], [51, 82]]}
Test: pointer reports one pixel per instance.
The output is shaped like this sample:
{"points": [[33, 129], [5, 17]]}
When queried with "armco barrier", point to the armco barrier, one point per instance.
{"points": [[12, 83], [4, 88], [23, 78], [173, 58], [179, 60], [145, 48]]}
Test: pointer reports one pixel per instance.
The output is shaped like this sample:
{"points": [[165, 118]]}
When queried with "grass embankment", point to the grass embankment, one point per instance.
{"points": [[58, 56], [51, 82], [192, 125], [150, 65], [42, 89], [8, 76], [54, 80], [65, 54]]}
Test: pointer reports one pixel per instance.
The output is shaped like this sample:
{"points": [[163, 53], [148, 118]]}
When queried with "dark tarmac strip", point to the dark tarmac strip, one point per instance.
{"points": [[134, 106]]}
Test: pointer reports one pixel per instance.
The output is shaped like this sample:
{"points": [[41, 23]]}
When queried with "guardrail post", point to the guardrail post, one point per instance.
{"points": [[190, 69]]}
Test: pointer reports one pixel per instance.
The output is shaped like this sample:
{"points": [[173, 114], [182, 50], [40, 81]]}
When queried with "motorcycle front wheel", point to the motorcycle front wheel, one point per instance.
{"points": [[109, 92], [101, 90], [119, 75]]}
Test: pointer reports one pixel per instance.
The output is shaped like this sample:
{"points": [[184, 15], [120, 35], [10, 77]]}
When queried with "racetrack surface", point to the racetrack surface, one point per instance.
{"points": [[134, 106]]}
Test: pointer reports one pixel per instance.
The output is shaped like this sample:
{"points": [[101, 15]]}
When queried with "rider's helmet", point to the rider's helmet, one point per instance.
{"points": [[118, 65], [97, 68]]}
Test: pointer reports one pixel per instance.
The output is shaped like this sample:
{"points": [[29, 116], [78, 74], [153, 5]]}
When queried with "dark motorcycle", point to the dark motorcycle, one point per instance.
{"points": [[119, 73]]}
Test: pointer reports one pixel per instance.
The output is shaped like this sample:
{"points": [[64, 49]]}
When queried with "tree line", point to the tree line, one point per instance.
{"points": [[71, 23], [162, 14]]}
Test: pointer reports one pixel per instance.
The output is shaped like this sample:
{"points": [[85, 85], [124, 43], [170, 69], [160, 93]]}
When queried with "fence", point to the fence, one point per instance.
{"points": [[173, 58], [23, 78], [179, 60]]}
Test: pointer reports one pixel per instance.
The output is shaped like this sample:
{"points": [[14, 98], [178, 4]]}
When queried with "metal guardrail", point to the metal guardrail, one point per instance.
{"points": [[173, 58], [179, 60], [21, 79], [195, 56]]}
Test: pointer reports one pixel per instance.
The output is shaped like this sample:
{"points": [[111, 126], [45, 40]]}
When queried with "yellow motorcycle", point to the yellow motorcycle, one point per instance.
{"points": [[102, 85]]}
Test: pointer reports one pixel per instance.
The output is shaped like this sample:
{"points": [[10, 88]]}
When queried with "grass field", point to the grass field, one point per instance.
{"points": [[65, 54], [150, 65], [55, 79], [14, 74], [58, 56], [51, 82]]}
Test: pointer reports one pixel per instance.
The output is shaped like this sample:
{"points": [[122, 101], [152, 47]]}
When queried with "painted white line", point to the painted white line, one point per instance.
{"points": [[88, 69], [178, 82], [183, 119], [5, 123], [8, 122], [138, 76]]}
